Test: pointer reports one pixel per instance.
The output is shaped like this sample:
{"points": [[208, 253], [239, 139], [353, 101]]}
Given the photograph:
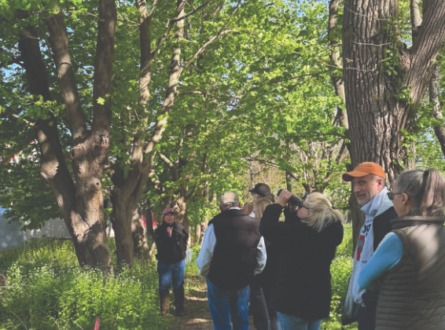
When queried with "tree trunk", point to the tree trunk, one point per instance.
{"points": [[288, 181], [127, 191], [140, 244], [80, 200], [121, 219], [149, 219], [181, 214], [378, 70], [197, 233], [437, 113], [204, 225]]}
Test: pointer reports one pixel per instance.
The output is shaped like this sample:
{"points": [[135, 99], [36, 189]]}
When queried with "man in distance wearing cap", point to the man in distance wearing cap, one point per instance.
{"points": [[232, 252], [261, 190], [368, 185]]}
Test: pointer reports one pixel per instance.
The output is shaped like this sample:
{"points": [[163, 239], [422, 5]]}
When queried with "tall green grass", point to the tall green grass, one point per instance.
{"points": [[47, 290]]}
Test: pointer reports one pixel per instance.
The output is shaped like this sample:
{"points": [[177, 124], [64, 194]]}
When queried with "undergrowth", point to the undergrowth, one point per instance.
{"points": [[46, 290]]}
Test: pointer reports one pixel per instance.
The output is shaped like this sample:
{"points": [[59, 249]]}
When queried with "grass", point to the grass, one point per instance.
{"points": [[46, 290]]}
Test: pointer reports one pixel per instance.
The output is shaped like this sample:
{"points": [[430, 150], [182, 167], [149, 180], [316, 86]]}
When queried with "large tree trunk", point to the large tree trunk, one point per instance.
{"points": [[439, 130], [181, 214], [378, 71], [127, 191], [140, 244], [121, 219], [80, 200]]}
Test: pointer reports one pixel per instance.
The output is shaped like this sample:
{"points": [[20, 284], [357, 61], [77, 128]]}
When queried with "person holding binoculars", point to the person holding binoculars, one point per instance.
{"points": [[301, 290]]}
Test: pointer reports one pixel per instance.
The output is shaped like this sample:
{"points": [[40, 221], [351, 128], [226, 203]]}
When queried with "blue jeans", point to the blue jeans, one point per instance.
{"points": [[289, 322], [170, 274], [228, 307]]}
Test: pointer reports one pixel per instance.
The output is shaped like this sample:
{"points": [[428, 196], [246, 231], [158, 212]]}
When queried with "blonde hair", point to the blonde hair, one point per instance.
{"points": [[321, 213], [259, 206], [248, 207]]}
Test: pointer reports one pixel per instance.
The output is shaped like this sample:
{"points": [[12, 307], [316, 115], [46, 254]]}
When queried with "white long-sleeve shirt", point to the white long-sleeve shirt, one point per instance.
{"points": [[208, 247]]}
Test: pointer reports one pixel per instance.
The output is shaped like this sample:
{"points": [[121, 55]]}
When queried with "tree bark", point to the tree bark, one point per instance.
{"points": [[80, 200], [377, 110], [197, 233], [336, 77], [437, 113], [127, 191], [140, 244]]}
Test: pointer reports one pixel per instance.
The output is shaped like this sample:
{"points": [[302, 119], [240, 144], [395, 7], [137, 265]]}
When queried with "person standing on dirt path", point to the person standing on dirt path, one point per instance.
{"points": [[171, 243], [368, 184], [232, 252]]}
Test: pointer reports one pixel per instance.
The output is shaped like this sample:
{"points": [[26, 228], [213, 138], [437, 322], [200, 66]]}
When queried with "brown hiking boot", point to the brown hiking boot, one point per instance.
{"points": [[179, 301], [165, 302]]}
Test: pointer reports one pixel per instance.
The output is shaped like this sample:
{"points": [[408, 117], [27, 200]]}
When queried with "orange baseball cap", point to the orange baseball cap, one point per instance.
{"points": [[364, 169]]}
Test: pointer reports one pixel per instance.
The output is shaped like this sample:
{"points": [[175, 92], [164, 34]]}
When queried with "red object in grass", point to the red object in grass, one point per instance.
{"points": [[96, 326], [145, 221]]}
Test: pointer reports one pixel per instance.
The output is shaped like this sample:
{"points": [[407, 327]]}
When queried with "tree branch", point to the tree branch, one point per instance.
{"points": [[58, 39], [153, 6], [426, 47], [103, 69], [53, 167], [26, 121], [173, 81], [191, 13], [434, 99], [416, 19], [173, 168], [221, 31]]}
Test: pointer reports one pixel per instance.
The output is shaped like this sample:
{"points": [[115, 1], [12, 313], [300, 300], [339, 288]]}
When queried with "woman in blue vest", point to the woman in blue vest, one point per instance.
{"points": [[301, 291], [408, 266]]}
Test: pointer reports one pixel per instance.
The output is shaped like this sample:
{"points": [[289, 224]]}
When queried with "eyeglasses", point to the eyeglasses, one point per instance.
{"points": [[305, 207], [391, 195]]}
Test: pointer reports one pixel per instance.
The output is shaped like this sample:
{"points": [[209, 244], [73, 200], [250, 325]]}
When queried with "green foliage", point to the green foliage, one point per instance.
{"points": [[47, 290], [341, 269]]}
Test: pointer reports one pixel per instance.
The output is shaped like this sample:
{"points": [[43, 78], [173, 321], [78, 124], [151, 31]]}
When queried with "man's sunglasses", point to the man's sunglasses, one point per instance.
{"points": [[391, 195]]}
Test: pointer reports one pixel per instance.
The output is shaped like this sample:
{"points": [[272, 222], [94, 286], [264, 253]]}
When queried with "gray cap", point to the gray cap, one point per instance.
{"points": [[229, 197]]}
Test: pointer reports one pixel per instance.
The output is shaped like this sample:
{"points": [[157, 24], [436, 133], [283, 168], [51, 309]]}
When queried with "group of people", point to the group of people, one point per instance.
{"points": [[279, 271]]}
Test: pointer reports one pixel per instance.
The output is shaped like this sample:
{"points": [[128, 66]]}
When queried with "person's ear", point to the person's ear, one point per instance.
{"points": [[404, 198]]}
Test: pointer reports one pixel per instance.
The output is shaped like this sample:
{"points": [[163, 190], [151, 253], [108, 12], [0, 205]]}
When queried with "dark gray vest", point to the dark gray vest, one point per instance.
{"points": [[413, 292]]}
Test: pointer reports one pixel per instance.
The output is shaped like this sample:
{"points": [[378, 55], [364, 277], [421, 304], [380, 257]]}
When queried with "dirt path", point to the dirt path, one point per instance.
{"points": [[197, 315]]}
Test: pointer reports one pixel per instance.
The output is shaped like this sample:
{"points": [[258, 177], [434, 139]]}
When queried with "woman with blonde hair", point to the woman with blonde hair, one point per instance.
{"points": [[259, 206], [301, 291]]}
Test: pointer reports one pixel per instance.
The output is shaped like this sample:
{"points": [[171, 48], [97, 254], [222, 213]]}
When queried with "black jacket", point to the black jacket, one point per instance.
{"points": [[302, 281], [268, 273], [235, 255], [171, 249]]}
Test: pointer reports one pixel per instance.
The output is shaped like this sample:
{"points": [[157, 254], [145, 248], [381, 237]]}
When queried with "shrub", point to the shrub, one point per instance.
{"points": [[46, 290]]}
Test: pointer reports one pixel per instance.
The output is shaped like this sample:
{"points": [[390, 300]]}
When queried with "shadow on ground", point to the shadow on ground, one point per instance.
{"points": [[197, 315]]}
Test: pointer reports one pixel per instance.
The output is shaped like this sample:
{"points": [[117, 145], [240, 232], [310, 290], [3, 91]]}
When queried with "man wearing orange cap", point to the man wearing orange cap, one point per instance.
{"points": [[368, 186]]}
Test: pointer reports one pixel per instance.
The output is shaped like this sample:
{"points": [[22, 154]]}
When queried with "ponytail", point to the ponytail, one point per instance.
{"points": [[426, 188], [321, 213], [432, 193]]}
